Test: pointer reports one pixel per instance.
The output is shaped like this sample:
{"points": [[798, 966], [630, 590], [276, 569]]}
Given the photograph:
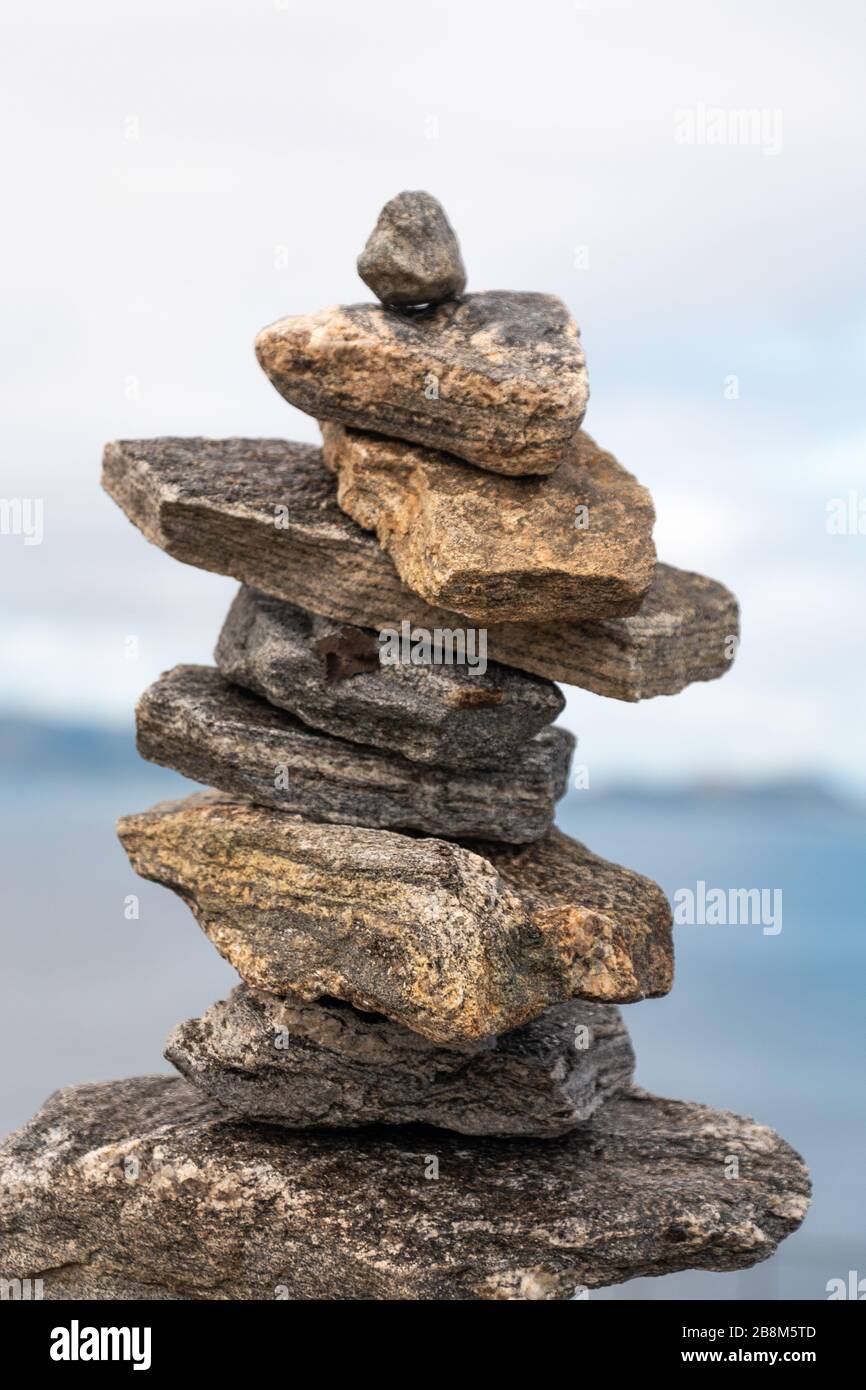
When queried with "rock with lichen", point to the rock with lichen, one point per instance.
{"points": [[451, 941]]}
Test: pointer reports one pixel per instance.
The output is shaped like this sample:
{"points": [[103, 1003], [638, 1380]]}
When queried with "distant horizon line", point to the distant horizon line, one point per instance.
{"points": [[57, 736]]}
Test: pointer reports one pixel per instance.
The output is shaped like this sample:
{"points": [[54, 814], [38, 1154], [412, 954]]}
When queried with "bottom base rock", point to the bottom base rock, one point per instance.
{"points": [[143, 1188]]}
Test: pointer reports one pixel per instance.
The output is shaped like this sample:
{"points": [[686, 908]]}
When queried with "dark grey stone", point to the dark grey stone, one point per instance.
{"points": [[412, 255], [194, 720], [265, 511], [325, 1064], [316, 669]]}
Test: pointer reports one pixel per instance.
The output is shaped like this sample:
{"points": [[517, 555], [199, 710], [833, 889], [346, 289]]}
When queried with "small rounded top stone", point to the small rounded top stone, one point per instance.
{"points": [[412, 255]]}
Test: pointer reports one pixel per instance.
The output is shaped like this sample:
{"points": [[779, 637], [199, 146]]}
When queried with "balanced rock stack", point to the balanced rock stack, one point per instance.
{"points": [[416, 944]]}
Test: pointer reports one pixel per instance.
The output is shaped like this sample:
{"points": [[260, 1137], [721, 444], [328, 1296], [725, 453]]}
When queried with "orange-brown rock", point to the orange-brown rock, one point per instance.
{"points": [[498, 379], [574, 545]]}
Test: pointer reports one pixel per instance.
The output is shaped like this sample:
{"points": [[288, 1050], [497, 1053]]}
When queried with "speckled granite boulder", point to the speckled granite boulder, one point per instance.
{"points": [[143, 1189]]}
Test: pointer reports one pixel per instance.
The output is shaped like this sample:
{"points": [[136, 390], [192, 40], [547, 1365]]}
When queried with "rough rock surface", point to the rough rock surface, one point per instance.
{"points": [[325, 1064], [193, 720], [265, 512], [412, 255], [449, 943], [451, 715], [577, 544], [143, 1189], [498, 379]]}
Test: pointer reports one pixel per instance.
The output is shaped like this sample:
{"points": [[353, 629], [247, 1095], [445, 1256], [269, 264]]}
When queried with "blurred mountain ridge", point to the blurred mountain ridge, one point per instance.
{"points": [[34, 748]]}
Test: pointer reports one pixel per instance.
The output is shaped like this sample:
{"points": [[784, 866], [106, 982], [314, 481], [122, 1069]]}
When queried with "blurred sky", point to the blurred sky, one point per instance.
{"points": [[176, 175]]}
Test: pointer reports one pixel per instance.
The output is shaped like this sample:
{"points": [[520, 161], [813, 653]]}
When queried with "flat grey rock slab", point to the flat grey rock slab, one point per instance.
{"points": [[144, 1184], [498, 379], [330, 675], [457, 942], [266, 512], [412, 255], [574, 545], [325, 1064], [194, 720]]}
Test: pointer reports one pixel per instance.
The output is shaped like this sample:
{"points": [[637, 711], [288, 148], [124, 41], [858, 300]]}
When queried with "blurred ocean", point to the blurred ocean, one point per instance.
{"points": [[769, 1025]]}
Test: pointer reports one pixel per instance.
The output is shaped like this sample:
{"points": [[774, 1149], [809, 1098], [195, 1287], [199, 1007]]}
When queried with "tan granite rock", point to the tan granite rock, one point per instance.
{"points": [[574, 545], [498, 379], [449, 943], [412, 255], [265, 511], [143, 1189]]}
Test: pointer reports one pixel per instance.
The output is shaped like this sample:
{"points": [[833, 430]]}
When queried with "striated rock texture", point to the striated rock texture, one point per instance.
{"points": [[449, 943], [142, 1189], [412, 255], [451, 715], [265, 512], [325, 1064], [498, 379], [193, 720], [577, 544]]}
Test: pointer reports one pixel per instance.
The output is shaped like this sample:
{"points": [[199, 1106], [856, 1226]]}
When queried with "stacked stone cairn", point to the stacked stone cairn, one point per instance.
{"points": [[422, 1086]]}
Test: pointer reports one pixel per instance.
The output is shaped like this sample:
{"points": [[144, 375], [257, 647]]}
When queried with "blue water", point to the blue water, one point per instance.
{"points": [[771, 1026]]}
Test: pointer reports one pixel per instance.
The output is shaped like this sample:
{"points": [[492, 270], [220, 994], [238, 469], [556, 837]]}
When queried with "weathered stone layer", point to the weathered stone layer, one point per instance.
{"points": [[193, 720], [498, 379], [574, 545], [143, 1189], [265, 512], [325, 1064], [332, 678], [449, 942]]}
